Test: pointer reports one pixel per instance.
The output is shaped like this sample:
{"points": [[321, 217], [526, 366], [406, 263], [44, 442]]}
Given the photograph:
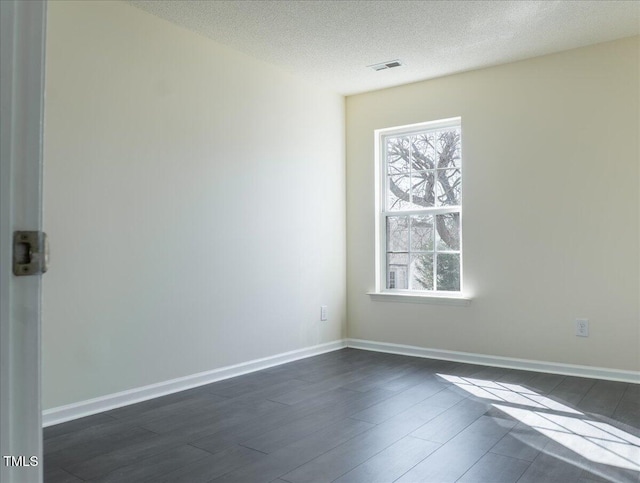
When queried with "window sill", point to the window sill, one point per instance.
{"points": [[420, 299]]}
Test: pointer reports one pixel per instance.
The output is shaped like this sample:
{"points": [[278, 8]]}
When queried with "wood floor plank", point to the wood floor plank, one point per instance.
{"points": [[391, 463], [320, 367], [287, 434], [571, 390], [76, 446], [197, 404], [99, 444], [461, 369], [456, 457], [352, 453], [516, 376], [76, 425], [603, 397], [125, 412], [577, 458], [452, 421], [550, 469], [543, 383], [327, 413], [83, 435], [396, 404], [632, 394], [179, 421], [107, 462], [522, 442], [628, 413], [276, 384], [340, 403], [363, 416], [490, 373], [53, 474], [290, 457], [240, 426], [211, 467], [444, 465], [153, 467], [269, 391], [496, 469], [315, 389], [387, 377], [448, 397], [608, 473], [227, 387], [619, 462], [483, 433]]}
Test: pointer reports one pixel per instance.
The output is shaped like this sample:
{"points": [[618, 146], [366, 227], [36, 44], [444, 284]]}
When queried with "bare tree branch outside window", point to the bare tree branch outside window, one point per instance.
{"points": [[423, 172]]}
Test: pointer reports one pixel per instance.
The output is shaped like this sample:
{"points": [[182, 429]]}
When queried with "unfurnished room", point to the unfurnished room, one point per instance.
{"points": [[315, 241]]}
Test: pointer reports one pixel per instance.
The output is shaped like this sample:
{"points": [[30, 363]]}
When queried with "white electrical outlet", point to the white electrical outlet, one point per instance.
{"points": [[582, 327], [323, 312]]}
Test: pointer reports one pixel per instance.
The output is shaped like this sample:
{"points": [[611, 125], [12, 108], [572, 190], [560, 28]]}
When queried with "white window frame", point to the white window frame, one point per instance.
{"points": [[406, 295]]}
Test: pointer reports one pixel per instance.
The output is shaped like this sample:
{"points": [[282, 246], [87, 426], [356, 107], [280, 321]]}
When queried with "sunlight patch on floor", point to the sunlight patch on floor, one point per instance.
{"points": [[595, 440]]}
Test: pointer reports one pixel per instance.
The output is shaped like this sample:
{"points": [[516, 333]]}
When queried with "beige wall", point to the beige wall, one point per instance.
{"points": [[550, 210], [195, 202]]}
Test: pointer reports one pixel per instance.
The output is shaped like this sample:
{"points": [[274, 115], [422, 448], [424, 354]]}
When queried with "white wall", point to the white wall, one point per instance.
{"points": [[550, 209], [195, 202]]}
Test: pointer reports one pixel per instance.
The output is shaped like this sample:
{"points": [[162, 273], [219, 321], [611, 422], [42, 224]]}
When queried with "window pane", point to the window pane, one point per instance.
{"points": [[398, 155], [423, 152], [448, 231], [448, 148], [448, 272], [398, 192], [422, 189], [397, 270], [422, 272], [448, 189], [422, 232], [397, 234], [422, 175]]}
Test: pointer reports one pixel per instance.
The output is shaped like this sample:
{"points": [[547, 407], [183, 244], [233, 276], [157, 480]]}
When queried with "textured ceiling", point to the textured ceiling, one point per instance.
{"points": [[331, 42]]}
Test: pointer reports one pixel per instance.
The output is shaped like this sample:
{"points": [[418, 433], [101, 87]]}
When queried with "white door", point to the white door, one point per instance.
{"points": [[22, 42]]}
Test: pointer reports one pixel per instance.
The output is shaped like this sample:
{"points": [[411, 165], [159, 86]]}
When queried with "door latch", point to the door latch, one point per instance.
{"points": [[30, 253]]}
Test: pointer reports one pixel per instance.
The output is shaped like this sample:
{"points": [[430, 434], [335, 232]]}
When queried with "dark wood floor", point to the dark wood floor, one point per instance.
{"points": [[358, 416]]}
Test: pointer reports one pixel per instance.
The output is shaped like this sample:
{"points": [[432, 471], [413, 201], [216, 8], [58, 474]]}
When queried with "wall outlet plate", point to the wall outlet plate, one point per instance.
{"points": [[582, 327], [323, 312]]}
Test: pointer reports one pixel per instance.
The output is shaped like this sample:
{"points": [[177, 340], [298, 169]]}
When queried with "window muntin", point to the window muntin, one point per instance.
{"points": [[421, 181]]}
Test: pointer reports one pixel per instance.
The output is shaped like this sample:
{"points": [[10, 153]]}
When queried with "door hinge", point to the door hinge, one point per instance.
{"points": [[30, 253]]}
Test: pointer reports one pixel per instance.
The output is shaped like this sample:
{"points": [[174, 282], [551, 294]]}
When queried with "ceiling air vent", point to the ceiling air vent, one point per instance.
{"points": [[390, 64]]}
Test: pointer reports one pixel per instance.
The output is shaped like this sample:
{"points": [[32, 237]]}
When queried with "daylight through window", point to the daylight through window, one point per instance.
{"points": [[420, 231]]}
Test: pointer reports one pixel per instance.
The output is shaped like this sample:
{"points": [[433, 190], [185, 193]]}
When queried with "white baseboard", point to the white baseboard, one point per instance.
{"points": [[497, 361], [111, 401]]}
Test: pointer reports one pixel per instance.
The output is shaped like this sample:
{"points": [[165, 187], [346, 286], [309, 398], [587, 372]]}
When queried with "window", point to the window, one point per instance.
{"points": [[419, 208]]}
